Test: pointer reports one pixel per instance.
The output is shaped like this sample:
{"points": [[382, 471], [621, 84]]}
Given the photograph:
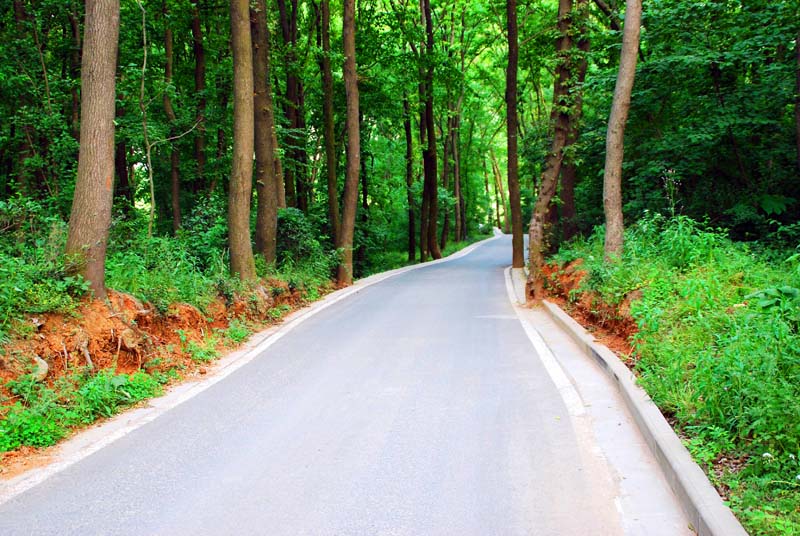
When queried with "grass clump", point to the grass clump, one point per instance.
{"points": [[41, 414], [718, 348]]}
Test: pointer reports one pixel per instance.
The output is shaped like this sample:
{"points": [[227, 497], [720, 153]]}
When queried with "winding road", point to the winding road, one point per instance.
{"points": [[416, 406]]}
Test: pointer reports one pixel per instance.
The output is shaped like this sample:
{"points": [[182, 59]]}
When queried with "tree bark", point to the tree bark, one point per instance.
{"points": [[457, 193], [266, 179], [240, 186], [446, 148], [328, 119], [569, 172], [797, 96], [517, 240], [94, 189], [501, 191], [344, 274], [429, 156], [412, 246], [200, 91], [620, 106], [174, 174], [559, 116]]}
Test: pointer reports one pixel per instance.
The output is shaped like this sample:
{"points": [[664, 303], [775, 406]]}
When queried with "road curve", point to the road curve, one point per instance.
{"points": [[416, 406]]}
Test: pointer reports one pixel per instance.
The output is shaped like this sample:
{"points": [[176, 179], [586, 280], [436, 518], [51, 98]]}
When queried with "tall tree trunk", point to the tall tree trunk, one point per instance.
{"points": [[412, 246], [446, 148], [122, 187], [94, 189], [328, 118], [797, 96], [457, 193], [429, 156], [200, 91], [266, 179], [174, 174], [293, 109], [501, 191], [517, 240], [344, 274], [240, 186], [620, 106], [569, 172], [74, 69], [552, 168]]}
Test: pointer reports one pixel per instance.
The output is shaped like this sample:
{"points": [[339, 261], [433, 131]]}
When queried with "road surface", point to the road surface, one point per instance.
{"points": [[417, 406]]}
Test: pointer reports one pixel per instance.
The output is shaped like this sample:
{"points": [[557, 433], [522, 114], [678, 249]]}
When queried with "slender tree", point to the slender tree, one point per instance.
{"points": [[240, 186], [94, 189], [517, 241], [169, 110], [620, 106], [264, 124], [559, 117], [328, 118], [430, 189], [200, 90], [412, 246], [344, 273]]}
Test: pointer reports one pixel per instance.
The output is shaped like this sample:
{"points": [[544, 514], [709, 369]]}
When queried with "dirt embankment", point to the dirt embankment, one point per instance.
{"points": [[612, 325], [127, 335]]}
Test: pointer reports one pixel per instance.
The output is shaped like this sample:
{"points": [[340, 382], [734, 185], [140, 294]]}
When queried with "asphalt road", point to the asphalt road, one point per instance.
{"points": [[415, 407]]}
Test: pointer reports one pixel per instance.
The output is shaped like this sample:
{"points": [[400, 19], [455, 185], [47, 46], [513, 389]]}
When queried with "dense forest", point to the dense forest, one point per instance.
{"points": [[190, 151]]}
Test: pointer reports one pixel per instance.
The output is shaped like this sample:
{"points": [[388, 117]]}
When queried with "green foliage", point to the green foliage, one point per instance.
{"points": [[42, 415], [718, 346], [200, 352], [237, 331]]}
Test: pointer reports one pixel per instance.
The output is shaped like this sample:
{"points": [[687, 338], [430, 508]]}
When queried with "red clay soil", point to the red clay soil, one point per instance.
{"points": [[127, 335], [611, 325]]}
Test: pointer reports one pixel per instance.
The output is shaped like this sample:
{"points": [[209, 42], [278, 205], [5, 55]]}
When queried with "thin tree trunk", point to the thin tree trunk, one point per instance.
{"points": [[240, 186], [620, 106], [458, 215], [175, 179], [547, 187], [569, 172], [429, 156], [344, 274], [75, 66], [412, 246], [328, 119], [500, 189], [517, 240], [797, 97], [94, 189], [266, 180], [200, 91], [446, 148]]}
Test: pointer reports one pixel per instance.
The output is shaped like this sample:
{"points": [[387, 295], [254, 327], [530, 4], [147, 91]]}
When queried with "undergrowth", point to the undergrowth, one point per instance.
{"points": [[718, 349]]}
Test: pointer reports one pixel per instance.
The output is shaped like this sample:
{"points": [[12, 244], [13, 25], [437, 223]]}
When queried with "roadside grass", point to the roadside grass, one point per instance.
{"points": [[718, 350]]}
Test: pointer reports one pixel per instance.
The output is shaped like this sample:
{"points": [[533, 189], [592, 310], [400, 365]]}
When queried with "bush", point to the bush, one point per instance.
{"points": [[718, 344]]}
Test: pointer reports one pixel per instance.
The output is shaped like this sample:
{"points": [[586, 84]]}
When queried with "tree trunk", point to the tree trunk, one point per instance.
{"points": [[569, 170], [429, 156], [457, 193], [200, 91], [75, 66], [266, 180], [620, 106], [122, 187], [517, 240], [175, 179], [797, 97], [501, 191], [344, 274], [446, 148], [412, 246], [240, 186], [328, 119], [293, 109], [552, 168], [94, 189]]}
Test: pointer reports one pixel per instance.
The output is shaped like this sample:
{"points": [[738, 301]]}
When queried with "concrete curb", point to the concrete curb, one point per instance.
{"points": [[100, 435], [707, 513]]}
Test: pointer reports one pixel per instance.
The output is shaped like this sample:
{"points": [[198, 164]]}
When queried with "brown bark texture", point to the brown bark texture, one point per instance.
{"points": [[517, 240], [94, 189], [240, 185], [620, 106], [559, 117], [430, 189], [412, 245], [169, 111], [199, 88], [344, 274], [797, 97], [328, 119], [264, 124]]}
